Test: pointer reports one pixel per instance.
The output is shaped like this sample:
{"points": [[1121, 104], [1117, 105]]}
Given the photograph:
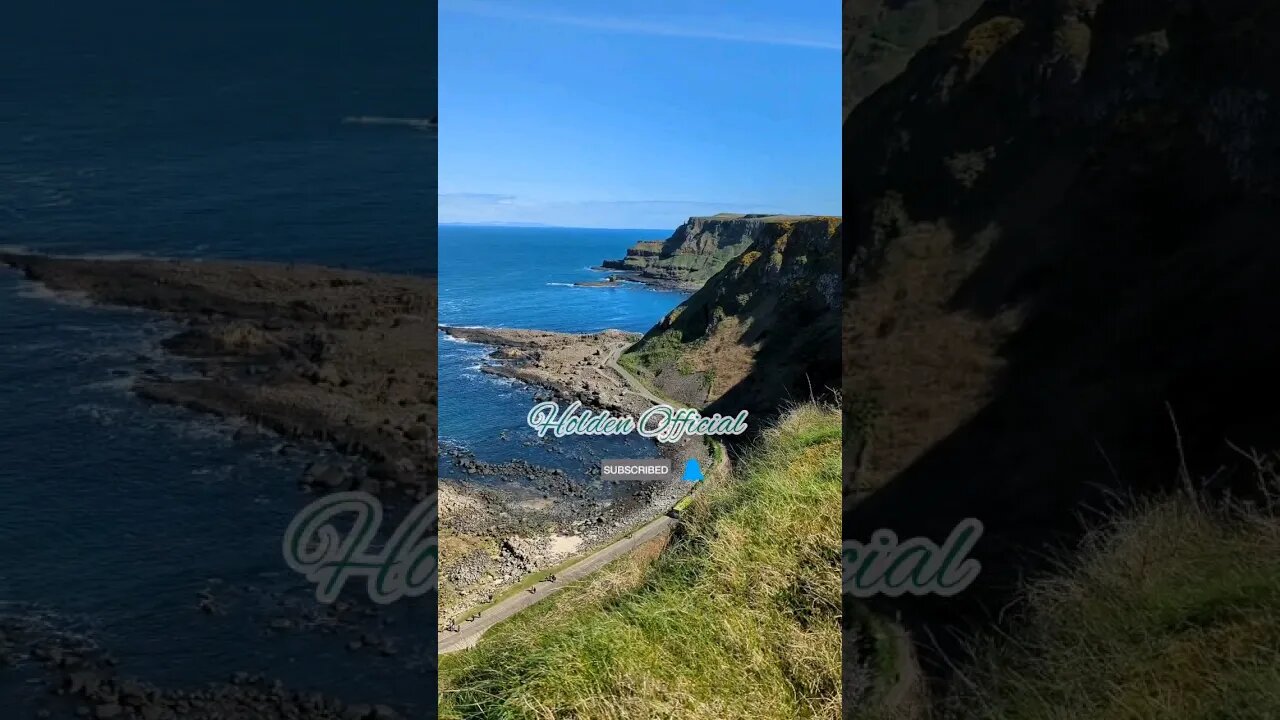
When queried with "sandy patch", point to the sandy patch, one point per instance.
{"points": [[562, 545]]}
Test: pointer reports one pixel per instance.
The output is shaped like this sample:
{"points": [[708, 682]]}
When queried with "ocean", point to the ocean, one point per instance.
{"points": [[210, 130], [523, 277], [216, 130]]}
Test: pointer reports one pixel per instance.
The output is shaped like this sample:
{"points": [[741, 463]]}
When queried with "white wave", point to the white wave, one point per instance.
{"points": [[458, 340], [121, 255], [559, 284], [111, 256], [36, 291], [123, 383], [415, 123]]}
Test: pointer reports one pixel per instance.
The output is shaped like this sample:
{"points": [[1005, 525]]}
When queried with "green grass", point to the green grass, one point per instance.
{"points": [[655, 353], [1170, 612], [644, 377], [715, 448], [737, 618], [709, 379], [630, 362]]}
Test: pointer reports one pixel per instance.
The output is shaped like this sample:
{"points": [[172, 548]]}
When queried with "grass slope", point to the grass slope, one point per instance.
{"points": [[1172, 612], [737, 618]]}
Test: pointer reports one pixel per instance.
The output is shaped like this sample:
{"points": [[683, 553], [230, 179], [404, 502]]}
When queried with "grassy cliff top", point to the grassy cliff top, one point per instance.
{"points": [[761, 217]]}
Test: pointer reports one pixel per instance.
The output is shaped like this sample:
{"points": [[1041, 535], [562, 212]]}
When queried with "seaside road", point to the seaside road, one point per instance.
{"points": [[636, 386], [470, 632]]}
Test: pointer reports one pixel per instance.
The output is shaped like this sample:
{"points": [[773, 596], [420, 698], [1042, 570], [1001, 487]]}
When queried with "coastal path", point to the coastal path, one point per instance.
{"points": [[469, 633]]}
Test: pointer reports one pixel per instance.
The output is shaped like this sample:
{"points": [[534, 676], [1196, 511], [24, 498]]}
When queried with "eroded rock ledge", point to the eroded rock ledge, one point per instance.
{"points": [[340, 356]]}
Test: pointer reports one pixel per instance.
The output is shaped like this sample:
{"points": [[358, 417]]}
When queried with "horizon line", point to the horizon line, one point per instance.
{"points": [[548, 226]]}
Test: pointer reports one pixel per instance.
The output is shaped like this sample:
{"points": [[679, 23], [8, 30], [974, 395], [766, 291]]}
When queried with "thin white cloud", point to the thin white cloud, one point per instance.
{"points": [[769, 35], [476, 197]]}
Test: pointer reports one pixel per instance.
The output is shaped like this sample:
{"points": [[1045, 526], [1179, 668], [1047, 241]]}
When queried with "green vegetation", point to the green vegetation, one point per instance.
{"points": [[1171, 612], [737, 618], [715, 448], [655, 353], [685, 365]]}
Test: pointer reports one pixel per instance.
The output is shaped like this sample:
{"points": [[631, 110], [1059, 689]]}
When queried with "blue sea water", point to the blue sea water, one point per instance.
{"points": [[215, 129], [212, 130], [522, 277]]}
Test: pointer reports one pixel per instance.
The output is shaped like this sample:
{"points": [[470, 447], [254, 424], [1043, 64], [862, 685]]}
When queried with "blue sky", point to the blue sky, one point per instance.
{"points": [[633, 114]]}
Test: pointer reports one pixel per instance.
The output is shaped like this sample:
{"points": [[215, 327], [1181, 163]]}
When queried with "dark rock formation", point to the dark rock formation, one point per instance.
{"points": [[1060, 274]]}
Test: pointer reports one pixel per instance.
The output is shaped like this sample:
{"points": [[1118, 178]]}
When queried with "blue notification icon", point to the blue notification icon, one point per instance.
{"points": [[692, 470]]}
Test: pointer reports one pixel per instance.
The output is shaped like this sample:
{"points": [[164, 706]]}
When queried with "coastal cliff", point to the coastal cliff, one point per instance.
{"points": [[762, 330], [1057, 284], [697, 249]]}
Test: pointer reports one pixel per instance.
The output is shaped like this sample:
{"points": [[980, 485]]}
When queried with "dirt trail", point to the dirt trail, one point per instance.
{"points": [[633, 382]]}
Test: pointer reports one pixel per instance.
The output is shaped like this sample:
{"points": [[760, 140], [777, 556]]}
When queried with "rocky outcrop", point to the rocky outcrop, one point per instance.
{"points": [[881, 36], [764, 329], [639, 256], [696, 251], [1059, 276], [343, 357]]}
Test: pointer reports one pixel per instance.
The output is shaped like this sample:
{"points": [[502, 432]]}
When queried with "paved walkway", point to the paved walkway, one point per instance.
{"points": [[470, 632]]}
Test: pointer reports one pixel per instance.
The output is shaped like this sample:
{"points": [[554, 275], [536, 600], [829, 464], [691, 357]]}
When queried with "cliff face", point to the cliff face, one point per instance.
{"points": [[697, 250], [764, 329], [881, 36], [1061, 272]]}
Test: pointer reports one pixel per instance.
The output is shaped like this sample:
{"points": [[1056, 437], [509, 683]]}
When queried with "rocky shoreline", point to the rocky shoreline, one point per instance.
{"points": [[543, 517], [572, 367], [78, 679], [321, 356], [346, 359], [343, 357]]}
